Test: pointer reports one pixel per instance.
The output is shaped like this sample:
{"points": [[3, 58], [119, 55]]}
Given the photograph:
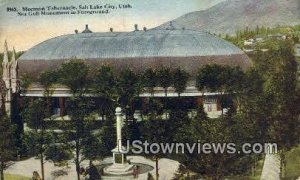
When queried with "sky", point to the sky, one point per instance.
{"points": [[23, 32]]}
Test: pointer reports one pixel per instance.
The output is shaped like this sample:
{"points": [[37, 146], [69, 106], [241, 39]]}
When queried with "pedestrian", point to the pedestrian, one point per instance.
{"points": [[137, 171], [81, 171], [134, 171], [36, 176]]}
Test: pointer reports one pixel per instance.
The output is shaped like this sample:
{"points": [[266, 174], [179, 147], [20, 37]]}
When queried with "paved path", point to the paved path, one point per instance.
{"points": [[167, 168], [271, 168]]}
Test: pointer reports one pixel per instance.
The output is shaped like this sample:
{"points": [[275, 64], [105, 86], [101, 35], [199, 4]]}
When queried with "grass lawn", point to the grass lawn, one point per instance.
{"points": [[15, 177], [250, 177], [293, 163]]}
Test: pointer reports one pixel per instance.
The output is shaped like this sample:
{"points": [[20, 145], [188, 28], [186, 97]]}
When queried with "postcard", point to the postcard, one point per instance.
{"points": [[149, 90]]}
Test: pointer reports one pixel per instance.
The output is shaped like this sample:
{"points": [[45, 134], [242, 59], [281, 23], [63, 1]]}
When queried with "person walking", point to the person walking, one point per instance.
{"points": [[36, 176], [134, 171]]}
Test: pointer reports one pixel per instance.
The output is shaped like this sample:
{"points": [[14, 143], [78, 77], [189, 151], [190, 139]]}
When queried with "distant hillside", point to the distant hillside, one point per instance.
{"points": [[233, 15]]}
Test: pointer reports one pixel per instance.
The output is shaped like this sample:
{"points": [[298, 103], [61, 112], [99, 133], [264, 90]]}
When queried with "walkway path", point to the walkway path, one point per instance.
{"points": [[271, 168], [167, 168]]}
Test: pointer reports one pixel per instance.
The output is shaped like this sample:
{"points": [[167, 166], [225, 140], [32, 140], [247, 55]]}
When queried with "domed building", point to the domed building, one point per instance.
{"points": [[138, 50]]}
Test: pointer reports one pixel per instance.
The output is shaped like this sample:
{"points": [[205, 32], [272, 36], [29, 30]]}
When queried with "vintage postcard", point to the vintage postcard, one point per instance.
{"points": [[150, 90]]}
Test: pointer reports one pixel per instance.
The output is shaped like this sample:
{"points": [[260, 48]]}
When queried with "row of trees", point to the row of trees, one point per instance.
{"points": [[259, 103], [180, 127], [113, 90]]}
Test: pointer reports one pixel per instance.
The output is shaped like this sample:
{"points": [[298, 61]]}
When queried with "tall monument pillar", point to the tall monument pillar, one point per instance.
{"points": [[120, 165], [119, 125]]}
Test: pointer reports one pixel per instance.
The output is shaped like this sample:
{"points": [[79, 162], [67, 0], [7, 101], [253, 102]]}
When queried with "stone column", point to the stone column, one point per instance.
{"points": [[119, 124], [119, 166]]}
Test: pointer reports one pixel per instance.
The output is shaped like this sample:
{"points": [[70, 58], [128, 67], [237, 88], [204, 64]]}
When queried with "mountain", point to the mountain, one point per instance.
{"points": [[232, 15]]}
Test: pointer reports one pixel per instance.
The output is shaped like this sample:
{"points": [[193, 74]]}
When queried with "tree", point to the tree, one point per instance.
{"points": [[74, 75], [280, 86], [150, 80], [58, 153], [153, 131], [79, 127], [208, 78], [99, 144], [223, 79], [35, 116], [7, 149], [105, 86], [213, 164], [164, 76], [108, 137], [36, 113], [180, 79], [254, 106], [277, 69], [128, 89]]}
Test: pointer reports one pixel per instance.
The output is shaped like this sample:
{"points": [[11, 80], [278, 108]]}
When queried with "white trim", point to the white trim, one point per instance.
{"points": [[191, 91]]}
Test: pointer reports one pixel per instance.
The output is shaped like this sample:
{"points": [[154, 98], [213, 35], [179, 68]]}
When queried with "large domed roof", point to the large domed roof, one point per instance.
{"points": [[186, 49], [151, 43]]}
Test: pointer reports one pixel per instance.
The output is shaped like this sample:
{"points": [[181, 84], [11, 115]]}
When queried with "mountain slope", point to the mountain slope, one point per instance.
{"points": [[233, 15]]}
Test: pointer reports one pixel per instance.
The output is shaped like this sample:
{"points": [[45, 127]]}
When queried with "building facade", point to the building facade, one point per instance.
{"points": [[138, 50]]}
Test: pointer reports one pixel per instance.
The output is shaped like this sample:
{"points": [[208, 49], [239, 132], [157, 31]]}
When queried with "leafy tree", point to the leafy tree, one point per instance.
{"points": [[153, 131], [105, 86], [107, 137], [105, 82], [128, 89], [58, 153], [208, 78], [98, 145], [24, 83], [180, 79], [164, 76], [223, 79], [280, 86], [152, 108], [79, 127], [150, 80], [47, 79], [7, 149], [254, 106], [35, 116], [74, 75], [213, 165]]}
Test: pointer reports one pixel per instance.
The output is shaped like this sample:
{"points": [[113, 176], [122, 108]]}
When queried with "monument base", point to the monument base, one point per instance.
{"points": [[120, 165], [119, 169]]}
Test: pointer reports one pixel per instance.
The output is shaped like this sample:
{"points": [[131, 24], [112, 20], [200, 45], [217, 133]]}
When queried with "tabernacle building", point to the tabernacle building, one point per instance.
{"points": [[139, 50]]}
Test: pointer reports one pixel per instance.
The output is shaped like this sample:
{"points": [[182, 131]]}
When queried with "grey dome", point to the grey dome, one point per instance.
{"points": [[152, 43], [138, 50]]}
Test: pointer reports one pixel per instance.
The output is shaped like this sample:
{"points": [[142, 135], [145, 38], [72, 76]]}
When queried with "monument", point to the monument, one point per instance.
{"points": [[120, 165]]}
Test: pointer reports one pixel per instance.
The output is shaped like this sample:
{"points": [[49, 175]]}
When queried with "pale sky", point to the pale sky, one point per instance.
{"points": [[23, 32]]}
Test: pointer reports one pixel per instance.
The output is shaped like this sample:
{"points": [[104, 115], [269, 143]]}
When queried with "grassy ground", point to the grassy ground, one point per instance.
{"points": [[250, 177], [293, 163], [15, 177]]}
